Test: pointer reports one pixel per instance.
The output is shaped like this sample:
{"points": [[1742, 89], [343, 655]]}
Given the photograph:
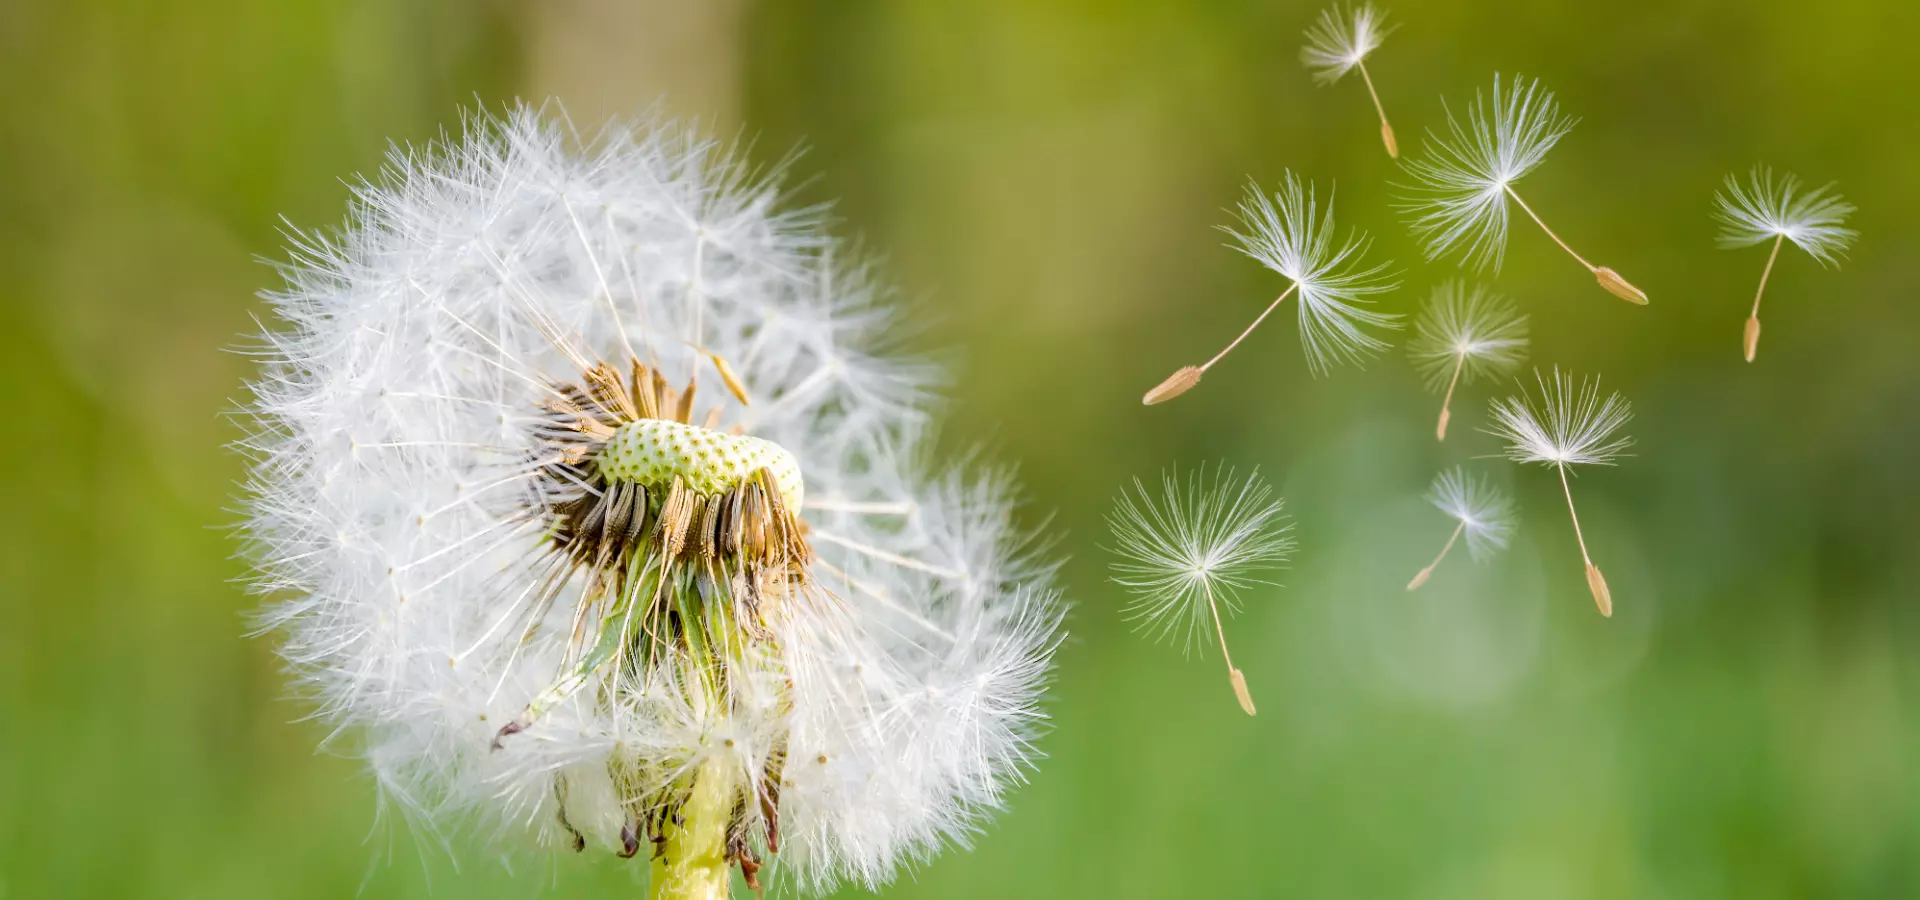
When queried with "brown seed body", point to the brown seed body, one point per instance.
{"points": [[1619, 287], [731, 380], [1597, 583], [1240, 690], [1176, 384]]}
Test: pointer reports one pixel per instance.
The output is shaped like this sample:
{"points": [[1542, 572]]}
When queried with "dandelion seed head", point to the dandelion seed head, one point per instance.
{"points": [[1767, 206], [1341, 39], [1202, 536], [1290, 234], [1568, 424], [1485, 512], [1461, 179], [1477, 331], [531, 351]]}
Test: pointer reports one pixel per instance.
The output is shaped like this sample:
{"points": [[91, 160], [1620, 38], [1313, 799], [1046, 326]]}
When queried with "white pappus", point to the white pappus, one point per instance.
{"points": [[590, 498]]}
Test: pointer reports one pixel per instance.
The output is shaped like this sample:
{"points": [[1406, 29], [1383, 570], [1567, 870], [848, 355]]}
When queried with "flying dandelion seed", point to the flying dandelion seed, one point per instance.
{"points": [[545, 600], [1339, 43], [1481, 512], [1193, 549], [1569, 424], [1290, 235], [1461, 335], [1466, 177], [1776, 208]]}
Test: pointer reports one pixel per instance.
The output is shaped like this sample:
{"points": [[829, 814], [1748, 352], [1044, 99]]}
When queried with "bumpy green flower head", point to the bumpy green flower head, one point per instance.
{"points": [[653, 452]]}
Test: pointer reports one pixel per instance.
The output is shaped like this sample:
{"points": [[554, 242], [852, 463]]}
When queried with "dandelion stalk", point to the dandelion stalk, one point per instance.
{"points": [[1421, 576], [1465, 178], [693, 861], [1766, 207], [1602, 597], [1543, 227], [1386, 128], [1569, 424], [1191, 549], [1607, 278], [1256, 324], [1289, 234], [1481, 512], [1186, 377], [1446, 403], [1750, 340], [1234, 675]]}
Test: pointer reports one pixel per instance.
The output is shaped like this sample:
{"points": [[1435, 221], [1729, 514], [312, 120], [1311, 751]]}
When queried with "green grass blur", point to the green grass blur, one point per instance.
{"points": [[1044, 179]]}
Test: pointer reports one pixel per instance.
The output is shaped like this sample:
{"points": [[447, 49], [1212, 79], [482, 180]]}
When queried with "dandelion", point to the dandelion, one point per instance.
{"points": [[1463, 334], [1290, 235], [1766, 207], [1192, 549], [1339, 43], [1569, 424], [1482, 512], [552, 587], [1466, 178]]}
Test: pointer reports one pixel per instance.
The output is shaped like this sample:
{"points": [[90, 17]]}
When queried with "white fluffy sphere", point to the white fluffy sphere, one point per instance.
{"points": [[411, 556]]}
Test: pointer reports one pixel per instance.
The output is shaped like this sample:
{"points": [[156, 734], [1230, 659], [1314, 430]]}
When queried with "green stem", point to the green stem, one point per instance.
{"points": [[693, 862]]}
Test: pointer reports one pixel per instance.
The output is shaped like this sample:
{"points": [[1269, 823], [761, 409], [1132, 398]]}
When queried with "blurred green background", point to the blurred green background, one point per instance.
{"points": [[1044, 179]]}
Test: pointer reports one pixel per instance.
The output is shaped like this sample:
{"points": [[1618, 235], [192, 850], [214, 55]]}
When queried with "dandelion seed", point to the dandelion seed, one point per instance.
{"points": [[1482, 513], [1192, 549], [541, 597], [1461, 335], [1339, 43], [1180, 382], [1466, 177], [1289, 234], [1569, 424], [1776, 208]]}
